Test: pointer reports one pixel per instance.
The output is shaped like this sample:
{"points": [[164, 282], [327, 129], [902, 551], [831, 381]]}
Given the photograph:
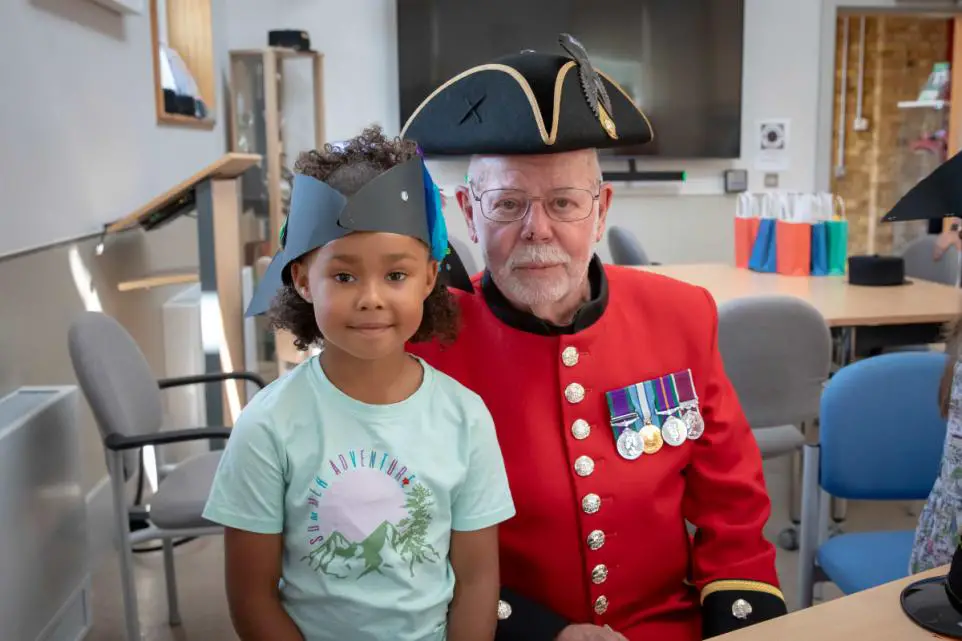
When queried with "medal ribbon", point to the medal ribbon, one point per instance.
{"points": [[643, 395], [619, 404], [669, 402], [685, 387]]}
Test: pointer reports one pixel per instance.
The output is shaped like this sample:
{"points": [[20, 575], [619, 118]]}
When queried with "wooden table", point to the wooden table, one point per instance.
{"points": [[841, 304], [874, 615]]}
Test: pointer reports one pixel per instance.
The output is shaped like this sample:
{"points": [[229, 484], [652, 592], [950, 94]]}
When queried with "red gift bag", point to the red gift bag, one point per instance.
{"points": [[793, 242], [746, 230]]}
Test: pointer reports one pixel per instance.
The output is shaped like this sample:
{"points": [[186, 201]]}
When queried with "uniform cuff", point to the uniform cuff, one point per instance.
{"points": [[523, 619], [734, 604]]}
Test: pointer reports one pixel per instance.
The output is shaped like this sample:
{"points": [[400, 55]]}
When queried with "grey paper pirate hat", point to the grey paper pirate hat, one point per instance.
{"points": [[936, 196], [403, 200]]}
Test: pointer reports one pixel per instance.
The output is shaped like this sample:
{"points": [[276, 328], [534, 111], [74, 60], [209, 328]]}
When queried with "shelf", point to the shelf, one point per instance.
{"points": [[158, 280], [185, 121], [924, 104]]}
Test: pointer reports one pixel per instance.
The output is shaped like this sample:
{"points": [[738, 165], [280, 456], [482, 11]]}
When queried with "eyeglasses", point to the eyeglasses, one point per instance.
{"points": [[566, 204]]}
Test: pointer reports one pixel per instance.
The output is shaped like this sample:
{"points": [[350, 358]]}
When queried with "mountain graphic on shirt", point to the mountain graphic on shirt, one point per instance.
{"points": [[338, 556]]}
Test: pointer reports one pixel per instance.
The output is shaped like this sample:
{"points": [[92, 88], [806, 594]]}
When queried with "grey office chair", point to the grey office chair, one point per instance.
{"points": [[126, 401], [777, 352], [625, 248], [919, 262]]}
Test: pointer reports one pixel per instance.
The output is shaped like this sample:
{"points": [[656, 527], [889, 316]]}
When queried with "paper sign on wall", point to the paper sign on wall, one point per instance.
{"points": [[771, 146]]}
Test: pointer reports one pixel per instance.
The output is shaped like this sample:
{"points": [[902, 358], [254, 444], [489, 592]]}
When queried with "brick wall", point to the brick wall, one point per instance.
{"points": [[899, 54]]}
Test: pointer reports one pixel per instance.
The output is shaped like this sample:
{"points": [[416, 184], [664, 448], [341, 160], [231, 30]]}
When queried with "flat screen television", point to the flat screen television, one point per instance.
{"points": [[680, 60]]}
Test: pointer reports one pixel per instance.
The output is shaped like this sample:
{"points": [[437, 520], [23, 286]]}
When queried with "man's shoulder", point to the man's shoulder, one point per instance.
{"points": [[642, 285]]}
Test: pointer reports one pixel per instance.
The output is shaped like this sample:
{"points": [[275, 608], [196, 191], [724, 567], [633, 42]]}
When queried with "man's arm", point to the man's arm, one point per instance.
{"points": [[726, 499], [253, 572]]}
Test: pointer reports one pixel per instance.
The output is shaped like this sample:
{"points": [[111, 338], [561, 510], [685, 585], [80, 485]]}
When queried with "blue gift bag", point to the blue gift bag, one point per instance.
{"points": [[820, 249], [764, 252]]}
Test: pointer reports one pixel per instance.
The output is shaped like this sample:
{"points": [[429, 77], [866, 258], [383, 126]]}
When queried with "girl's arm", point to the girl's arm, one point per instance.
{"points": [[253, 568], [473, 614]]}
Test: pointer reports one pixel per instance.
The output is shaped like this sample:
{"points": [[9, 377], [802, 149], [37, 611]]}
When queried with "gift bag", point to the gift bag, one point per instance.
{"points": [[837, 237], [793, 234], [746, 229], [822, 214], [764, 254]]}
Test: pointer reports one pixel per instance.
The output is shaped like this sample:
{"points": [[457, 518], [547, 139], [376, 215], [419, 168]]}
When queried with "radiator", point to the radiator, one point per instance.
{"points": [[44, 574]]}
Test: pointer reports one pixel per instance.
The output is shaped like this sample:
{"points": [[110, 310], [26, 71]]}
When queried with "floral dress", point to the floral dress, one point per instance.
{"points": [[937, 534]]}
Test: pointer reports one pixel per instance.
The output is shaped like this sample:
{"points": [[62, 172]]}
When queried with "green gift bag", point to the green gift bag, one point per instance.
{"points": [[837, 240]]}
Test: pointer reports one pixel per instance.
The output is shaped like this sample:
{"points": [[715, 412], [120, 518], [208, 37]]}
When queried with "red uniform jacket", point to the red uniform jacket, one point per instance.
{"points": [[630, 563]]}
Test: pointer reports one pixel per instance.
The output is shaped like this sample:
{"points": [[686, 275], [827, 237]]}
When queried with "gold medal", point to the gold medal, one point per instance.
{"points": [[651, 439]]}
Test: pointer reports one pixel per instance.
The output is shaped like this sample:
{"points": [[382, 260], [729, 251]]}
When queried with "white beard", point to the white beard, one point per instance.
{"points": [[538, 290]]}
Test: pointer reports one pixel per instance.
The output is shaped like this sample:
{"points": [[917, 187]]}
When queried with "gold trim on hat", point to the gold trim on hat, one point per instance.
{"points": [[547, 137]]}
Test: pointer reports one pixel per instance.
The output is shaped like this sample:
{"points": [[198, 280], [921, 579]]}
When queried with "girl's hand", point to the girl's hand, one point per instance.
{"points": [[588, 632]]}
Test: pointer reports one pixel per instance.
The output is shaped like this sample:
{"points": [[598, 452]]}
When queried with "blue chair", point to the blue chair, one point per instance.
{"points": [[880, 438]]}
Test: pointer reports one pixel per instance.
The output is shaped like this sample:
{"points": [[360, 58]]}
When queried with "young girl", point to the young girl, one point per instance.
{"points": [[361, 492], [937, 534]]}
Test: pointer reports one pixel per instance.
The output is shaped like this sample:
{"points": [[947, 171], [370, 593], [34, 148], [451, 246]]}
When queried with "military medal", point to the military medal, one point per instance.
{"points": [[623, 421], [691, 416], [673, 429], [651, 439]]}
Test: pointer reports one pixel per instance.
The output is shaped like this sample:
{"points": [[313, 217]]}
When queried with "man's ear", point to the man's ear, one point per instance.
{"points": [[605, 195], [466, 203], [300, 280]]}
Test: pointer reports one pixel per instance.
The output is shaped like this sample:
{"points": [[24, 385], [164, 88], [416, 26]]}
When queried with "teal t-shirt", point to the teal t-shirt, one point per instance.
{"points": [[366, 497]]}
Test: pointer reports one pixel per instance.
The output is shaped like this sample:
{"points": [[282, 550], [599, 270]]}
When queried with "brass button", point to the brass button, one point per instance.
{"points": [[591, 503], [504, 610], [575, 393], [741, 609], [599, 574], [580, 429], [601, 604], [569, 356], [584, 466], [596, 539]]}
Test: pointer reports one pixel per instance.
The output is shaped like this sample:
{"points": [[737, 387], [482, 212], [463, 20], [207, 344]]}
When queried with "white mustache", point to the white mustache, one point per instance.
{"points": [[538, 255]]}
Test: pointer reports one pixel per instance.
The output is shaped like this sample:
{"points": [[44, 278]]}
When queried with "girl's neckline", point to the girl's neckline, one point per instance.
{"points": [[351, 404]]}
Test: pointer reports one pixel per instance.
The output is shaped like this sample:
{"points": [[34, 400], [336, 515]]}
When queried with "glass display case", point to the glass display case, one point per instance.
{"points": [[276, 110]]}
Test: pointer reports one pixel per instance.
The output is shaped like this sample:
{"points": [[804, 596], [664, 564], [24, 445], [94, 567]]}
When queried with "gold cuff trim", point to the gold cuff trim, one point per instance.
{"points": [[739, 584]]}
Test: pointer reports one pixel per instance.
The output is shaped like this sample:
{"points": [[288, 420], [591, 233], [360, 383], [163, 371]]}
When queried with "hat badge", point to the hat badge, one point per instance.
{"points": [[591, 83]]}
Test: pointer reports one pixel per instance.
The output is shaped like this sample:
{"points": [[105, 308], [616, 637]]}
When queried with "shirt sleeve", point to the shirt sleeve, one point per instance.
{"points": [[249, 486], [726, 499], [484, 497]]}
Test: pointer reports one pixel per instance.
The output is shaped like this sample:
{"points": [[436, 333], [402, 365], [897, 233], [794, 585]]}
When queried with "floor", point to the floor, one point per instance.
{"points": [[204, 606]]}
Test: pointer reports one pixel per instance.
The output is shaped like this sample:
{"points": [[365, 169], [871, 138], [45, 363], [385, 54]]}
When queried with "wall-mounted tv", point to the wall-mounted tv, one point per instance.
{"points": [[681, 60]]}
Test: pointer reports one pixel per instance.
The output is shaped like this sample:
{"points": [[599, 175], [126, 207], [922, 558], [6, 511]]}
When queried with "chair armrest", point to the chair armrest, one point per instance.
{"points": [[118, 442], [215, 377]]}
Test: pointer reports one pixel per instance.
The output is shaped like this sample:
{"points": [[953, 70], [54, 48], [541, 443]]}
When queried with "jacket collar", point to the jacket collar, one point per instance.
{"points": [[585, 317]]}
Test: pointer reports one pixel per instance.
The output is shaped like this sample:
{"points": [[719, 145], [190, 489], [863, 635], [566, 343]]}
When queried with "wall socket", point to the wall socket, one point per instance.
{"points": [[860, 124], [771, 180]]}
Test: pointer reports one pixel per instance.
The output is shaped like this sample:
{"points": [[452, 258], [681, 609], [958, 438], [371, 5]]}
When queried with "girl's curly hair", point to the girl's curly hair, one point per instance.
{"points": [[347, 168]]}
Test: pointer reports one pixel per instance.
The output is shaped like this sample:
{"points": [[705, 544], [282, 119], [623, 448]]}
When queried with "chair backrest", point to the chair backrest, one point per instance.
{"points": [[777, 352], [625, 248], [464, 253], [919, 262], [880, 431], [115, 378]]}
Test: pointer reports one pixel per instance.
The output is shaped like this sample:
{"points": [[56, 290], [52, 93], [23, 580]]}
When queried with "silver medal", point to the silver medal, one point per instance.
{"points": [[674, 431], [629, 444], [696, 424]]}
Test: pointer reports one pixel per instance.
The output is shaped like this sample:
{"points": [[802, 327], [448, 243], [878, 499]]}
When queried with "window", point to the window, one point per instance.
{"points": [[182, 39]]}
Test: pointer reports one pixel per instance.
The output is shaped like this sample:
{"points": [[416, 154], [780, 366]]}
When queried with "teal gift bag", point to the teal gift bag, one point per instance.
{"points": [[837, 241]]}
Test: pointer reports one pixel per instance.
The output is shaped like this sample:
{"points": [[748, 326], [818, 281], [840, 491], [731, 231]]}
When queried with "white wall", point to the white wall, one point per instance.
{"points": [[79, 140], [692, 223]]}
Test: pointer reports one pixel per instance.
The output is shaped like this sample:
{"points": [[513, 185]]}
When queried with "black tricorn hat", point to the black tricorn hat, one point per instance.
{"points": [[528, 103], [936, 196], [935, 604]]}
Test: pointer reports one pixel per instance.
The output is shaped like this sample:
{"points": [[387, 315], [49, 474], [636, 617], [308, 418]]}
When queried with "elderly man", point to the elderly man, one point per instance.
{"points": [[613, 411]]}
